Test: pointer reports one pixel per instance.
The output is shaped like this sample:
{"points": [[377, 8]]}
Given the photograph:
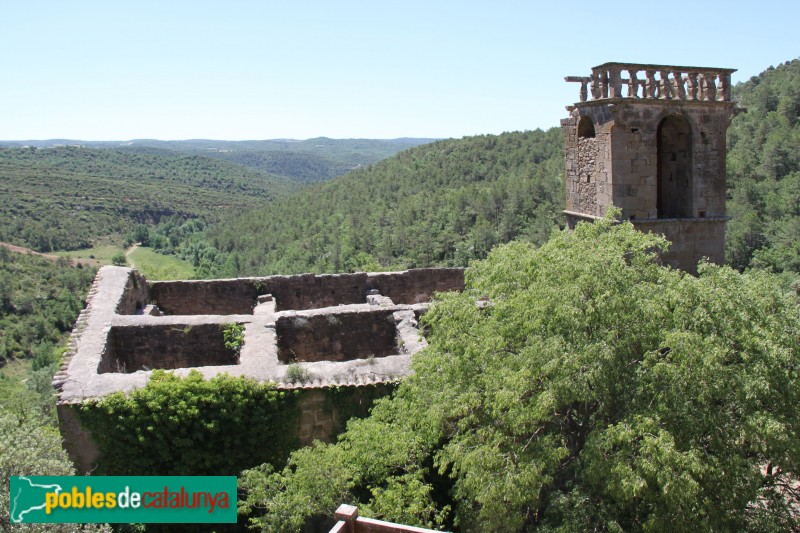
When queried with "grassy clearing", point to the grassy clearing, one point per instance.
{"points": [[158, 266], [16, 370], [102, 253]]}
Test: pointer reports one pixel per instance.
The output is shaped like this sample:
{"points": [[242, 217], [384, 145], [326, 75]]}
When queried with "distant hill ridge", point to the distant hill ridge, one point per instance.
{"points": [[204, 144], [63, 194], [308, 160]]}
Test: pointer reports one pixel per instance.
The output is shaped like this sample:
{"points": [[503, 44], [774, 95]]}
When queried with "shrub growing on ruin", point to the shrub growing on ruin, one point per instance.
{"points": [[233, 336], [296, 373]]}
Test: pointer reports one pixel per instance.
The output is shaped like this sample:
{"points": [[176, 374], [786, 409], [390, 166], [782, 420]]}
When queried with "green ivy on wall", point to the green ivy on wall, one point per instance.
{"points": [[356, 402], [192, 426]]}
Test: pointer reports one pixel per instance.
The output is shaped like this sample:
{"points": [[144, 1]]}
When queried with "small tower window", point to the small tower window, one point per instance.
{"points": [[585, 128]]}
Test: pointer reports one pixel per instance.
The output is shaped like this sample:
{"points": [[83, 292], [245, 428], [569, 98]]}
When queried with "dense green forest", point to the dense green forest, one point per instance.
{"points": [[69, 197], [39, 302], [438, 204], [764, 172], [305, 168]]}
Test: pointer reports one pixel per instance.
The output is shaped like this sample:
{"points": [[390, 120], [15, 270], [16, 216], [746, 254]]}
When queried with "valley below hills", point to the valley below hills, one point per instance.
{"points": [[547, 399], [64, 195]]}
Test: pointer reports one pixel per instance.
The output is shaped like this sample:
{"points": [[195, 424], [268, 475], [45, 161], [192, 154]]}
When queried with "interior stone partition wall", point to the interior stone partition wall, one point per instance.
{"points": [[343, 331], [140, 347], [306, 291], [339, 337]]}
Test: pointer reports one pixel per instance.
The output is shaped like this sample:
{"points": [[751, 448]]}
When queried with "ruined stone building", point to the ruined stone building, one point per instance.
{"points": [[651, 143], [650, 140], [344, 331]]}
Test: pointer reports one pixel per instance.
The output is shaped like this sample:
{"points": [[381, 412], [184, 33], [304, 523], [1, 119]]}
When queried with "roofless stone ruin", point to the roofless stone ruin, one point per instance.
{"points": [[343, 330]]}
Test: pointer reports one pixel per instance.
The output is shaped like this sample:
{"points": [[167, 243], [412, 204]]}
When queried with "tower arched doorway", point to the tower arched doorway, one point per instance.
{"points": [[674, 180]]}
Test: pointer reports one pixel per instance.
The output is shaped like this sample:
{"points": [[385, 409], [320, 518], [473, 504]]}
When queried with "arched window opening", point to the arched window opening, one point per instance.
{"points": [[674, 180], [585, 128]]}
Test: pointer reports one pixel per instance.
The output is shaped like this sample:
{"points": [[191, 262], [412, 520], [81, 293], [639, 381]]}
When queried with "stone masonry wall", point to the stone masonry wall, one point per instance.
{"points": [[635, 157], [692, 239], [651, 140], [135, 296], [323, 415], [306, 291], [78, 443], [132, 348], [588, 165], [418, 285], [363, 340], [627, 142], [220, 297], [309, 291], [339, 337]]}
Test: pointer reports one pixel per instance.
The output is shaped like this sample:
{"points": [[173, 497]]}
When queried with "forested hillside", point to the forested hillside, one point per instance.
{"points": [[438, 204], [310, 160], [764, 172], [451, 201], [303, 167], [68, 197], [39, 301]]}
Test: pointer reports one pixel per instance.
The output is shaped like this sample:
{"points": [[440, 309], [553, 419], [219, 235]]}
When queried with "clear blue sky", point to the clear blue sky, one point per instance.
{"points": [[168, 69]]}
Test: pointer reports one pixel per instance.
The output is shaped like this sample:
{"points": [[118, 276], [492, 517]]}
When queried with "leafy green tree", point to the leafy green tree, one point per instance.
{"points": [[32, 448], [141, 234], [119, 259], [31, 443], [580, 386]]}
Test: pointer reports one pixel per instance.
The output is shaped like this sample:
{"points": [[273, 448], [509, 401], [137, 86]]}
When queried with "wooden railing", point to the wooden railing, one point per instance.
{"points": [[350, 522], [663, 82]]}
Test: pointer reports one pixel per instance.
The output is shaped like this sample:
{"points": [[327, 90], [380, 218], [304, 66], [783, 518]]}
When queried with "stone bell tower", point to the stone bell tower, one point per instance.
{"points": [[657, 152]]}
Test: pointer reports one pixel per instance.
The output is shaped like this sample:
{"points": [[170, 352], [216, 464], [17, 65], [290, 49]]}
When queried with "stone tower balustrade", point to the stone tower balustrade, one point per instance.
{"points": [[659, 82]]}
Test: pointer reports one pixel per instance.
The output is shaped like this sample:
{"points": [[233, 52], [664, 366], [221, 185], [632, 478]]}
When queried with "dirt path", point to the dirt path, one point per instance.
{"points": [[129, 252], [22, 250]]}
